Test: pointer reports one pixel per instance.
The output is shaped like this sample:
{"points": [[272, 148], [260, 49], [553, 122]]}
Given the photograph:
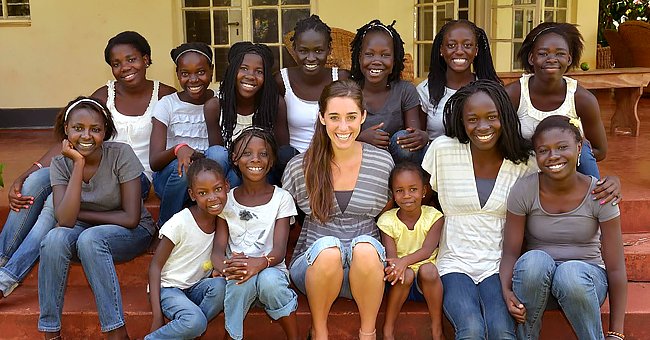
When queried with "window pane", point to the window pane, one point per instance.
{"points": [[221, 3], [424, 58], [425, 23], [561, 3], [442, 16], [295, 2], [276, 59], [516, 65], [221, 61], [197, 3], [560, 15], [519, 24], [425, 1], [463, 3], [549, 3], [265, 25], [291, 16], [197, 26], [263, 2], [17, 10], [221, 27], [463, 15], [548, 16]]}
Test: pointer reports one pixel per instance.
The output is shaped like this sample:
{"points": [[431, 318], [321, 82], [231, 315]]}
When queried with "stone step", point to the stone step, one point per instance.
{"points": [[19, 317]]}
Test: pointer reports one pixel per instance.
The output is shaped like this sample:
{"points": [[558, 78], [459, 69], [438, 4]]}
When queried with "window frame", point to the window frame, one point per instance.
{"points": [[6, 20]]}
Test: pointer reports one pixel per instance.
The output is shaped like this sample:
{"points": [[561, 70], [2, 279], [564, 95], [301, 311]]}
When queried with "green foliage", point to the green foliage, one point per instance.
{"points": [[613, 12]]}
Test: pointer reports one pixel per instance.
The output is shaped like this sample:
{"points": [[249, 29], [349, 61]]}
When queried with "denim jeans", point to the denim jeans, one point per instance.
{"points": [[578, 287], [220, 154], [299, 266], [477, 311], [400, 154], [588, 164], [19, 223], [270, 288], [171, 189], [24, 258], [190, 309], [145, 185], [97, 247]]}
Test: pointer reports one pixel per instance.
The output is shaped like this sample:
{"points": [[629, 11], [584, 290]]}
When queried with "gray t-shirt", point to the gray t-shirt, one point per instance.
{"points": [[119, 164], [574, 235], [370, 195], [402, 97]]}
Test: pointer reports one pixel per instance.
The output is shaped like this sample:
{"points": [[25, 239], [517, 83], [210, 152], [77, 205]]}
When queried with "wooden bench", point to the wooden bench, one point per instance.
{"points": [[628, 84]]}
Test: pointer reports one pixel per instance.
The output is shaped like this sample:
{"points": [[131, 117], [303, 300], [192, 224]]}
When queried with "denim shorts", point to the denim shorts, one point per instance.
{"points": [[298, 269], [415, 293]]}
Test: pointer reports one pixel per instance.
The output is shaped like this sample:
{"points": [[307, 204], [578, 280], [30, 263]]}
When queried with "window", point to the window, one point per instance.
{"points": [[431, 16], [525, 14], [221, 23], [14, 10]]}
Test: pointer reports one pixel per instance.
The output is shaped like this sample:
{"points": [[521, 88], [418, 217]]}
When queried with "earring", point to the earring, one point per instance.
{"points": [[578, 156]]}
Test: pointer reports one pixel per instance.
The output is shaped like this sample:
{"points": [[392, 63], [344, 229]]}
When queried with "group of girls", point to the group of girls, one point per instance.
{"points": [[349, 148]]}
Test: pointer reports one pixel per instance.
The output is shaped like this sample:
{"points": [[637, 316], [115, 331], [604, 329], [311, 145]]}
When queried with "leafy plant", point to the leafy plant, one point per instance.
{"points": [[612, 13]]}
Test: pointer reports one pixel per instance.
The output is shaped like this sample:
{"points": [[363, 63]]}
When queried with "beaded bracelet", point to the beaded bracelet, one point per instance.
{"points": [[617, 335]]}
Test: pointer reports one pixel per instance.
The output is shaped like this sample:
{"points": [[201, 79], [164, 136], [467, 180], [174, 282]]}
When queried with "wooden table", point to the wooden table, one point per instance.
{"points": [[628, 84]]}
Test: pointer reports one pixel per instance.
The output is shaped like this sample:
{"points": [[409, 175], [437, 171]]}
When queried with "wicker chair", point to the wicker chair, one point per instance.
{"points": [[341, 56], [620, 52], [635, 36]]}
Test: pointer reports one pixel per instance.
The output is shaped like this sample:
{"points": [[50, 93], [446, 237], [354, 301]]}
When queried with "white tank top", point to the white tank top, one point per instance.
{"points": [[529, 116], [134, 130], [301, 114]]}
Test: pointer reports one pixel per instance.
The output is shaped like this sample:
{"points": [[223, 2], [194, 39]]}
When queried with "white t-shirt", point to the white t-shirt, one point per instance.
{"points": [[435, 113], [189, 261], [185, 122], [251, 228]]}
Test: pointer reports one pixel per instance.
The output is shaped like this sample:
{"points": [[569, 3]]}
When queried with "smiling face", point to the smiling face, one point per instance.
{"points": [[250, 76], [342, 119], [128, 65], [550, 56], [377, 56], [481, 121], [194, 74], [255, 160], [557, 152], [312, 49], [459, 48], [86, 130], [209, 191], [408, 190]]}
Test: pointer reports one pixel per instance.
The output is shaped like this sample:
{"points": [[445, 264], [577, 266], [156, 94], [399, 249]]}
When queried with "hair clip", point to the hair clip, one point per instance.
{"points": [[191, 50], [380, 25], [541, 31]]}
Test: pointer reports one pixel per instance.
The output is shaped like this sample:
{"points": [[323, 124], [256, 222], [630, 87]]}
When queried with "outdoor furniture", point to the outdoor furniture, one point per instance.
{"points": [[630, 45], [628, 84], [341, 55]]}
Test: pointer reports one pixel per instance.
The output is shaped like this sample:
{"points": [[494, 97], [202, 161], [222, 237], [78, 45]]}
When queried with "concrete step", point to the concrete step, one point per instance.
{"points": [[636, 247], [19, 316]]}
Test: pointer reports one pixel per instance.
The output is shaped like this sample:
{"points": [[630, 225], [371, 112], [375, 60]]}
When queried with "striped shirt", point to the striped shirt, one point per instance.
{"points": [[472, 237], [369, 197]]}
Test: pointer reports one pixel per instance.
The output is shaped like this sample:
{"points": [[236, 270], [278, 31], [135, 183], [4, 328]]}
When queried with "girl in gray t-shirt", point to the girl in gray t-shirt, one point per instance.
{"points": [[574, 253], [100, 215]]}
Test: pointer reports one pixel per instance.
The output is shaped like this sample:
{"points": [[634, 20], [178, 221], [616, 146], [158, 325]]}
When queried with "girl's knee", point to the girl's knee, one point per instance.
{"points": [[195, 324], [409, 276], [572, 280], [366, 253], [428, 273], [90, 242], [534, 266]]}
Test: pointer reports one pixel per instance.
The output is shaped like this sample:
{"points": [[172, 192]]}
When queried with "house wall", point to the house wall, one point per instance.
{"points": [[60, 55]]}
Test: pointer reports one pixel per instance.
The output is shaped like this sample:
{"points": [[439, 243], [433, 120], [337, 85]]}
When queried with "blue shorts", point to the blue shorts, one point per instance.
{"points": [[298, 269], [415, 293]]}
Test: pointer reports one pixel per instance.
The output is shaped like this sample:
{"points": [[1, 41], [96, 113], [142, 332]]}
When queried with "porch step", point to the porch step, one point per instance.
{"points": [[135, 272], [19, 317]]}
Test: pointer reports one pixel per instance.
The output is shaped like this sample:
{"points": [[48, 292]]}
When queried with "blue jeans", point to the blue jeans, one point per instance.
{"points": [[578, 287], [19, 223], [588, 164], [171, 189], [270, 288], [299, 266], [220, 154], [145, 185], [190, 309], [400, 154], [477, 311], [97, 247], [24, 258]]}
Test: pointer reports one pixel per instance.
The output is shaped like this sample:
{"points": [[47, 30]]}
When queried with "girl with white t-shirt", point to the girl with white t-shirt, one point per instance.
{"points": [[251, 240], [180, 284]]}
